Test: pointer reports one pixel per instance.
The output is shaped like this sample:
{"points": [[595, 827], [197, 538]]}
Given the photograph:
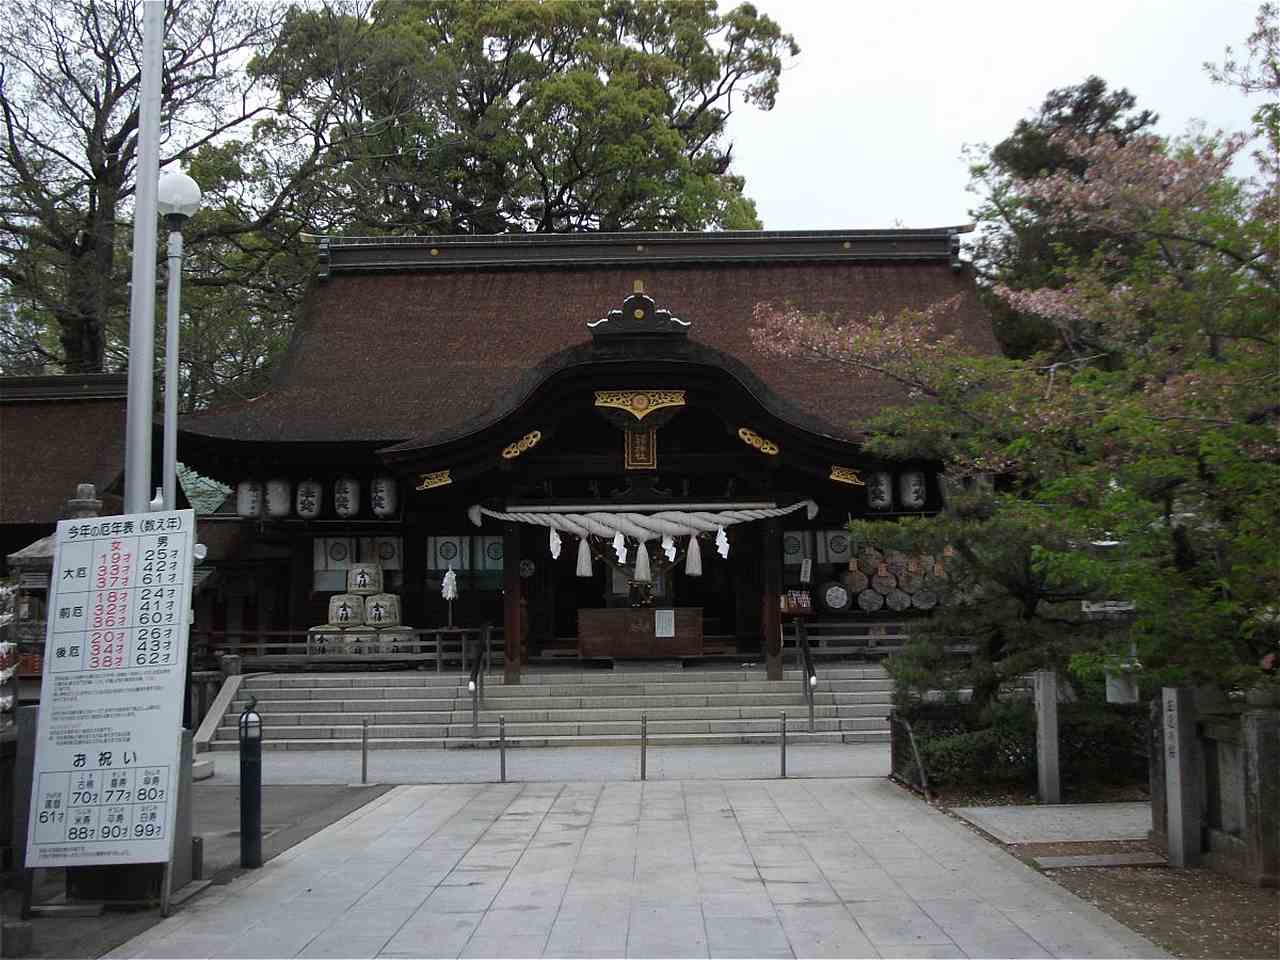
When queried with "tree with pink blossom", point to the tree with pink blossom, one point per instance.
{"points": [[1137, 455]]}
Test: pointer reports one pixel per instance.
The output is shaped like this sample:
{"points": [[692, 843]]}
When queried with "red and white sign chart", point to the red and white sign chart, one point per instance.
{"points": [[107, 745]]}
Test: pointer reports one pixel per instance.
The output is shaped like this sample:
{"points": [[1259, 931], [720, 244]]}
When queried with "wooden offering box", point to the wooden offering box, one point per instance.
{"points": [[640, 632]]}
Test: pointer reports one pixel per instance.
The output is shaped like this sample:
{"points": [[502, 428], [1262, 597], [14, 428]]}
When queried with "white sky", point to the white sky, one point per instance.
{"points": [[871, 117]]}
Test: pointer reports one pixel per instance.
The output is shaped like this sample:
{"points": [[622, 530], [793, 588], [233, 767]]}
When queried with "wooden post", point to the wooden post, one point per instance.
{"points": [[771, 616], [511, 601]]}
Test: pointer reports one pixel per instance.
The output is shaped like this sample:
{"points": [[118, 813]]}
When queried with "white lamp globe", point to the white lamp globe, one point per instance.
{"points": [[177, 195]]}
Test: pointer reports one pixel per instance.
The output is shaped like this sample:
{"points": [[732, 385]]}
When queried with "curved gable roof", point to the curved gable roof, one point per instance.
{"points": [[413, 340]]}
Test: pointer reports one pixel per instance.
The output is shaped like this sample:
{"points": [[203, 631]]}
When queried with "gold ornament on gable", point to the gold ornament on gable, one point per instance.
{"points": [[523, 445], [429, 481], [753, 439], [639, 403]]}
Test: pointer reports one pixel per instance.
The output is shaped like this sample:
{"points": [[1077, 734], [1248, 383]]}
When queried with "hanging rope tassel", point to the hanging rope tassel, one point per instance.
{"points": [[642, 563], [693, 560], [669, 548], [584, 557], [620, 546], [555, 542]]}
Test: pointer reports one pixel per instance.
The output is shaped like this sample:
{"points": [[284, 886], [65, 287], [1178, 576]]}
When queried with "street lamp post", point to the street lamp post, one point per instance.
{"points": [[178, 198]]}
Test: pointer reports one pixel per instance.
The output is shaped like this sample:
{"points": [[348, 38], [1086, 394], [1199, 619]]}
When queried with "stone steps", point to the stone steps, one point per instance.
{"points": [[424, 710]]}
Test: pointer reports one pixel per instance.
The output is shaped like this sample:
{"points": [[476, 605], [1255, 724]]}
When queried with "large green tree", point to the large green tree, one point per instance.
{"points": [[493, 117], [1136, 458]]}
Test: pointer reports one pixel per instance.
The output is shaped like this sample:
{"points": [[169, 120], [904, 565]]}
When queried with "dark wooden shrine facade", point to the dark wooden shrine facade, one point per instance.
{"points": [[584, 372]]}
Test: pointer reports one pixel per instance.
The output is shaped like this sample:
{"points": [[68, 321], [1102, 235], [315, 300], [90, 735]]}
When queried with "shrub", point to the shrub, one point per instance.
{"points": [[962, 745]]}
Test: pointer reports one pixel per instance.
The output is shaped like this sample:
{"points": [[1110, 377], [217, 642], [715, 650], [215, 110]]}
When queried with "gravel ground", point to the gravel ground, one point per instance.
{"points": [[1191, 912]]}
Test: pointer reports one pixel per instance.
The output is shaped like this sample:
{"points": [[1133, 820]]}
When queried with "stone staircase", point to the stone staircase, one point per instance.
{"points": [[416, 710]]}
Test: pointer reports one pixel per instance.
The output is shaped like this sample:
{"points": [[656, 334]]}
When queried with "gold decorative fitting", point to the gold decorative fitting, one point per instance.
{"points": [[639, 287], [846, 244], [428, 481], [525, 443], [846, 475], [753, 439], [640, 247], [639, 403], [638, 314], [435, 251]]}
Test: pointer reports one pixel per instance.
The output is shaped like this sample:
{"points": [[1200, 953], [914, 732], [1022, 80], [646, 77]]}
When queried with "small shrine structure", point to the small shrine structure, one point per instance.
{"points": [[578, 427]]}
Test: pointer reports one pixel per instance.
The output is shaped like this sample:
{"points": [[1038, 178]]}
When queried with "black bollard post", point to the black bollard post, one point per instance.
{"points": [[644, 742], [782, 739], [502, 747], [250, 787], [364, 750]]}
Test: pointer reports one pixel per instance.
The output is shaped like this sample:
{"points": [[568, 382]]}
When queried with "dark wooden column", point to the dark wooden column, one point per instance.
{"points": [[771, 619], [511, 601], [413, 566]]}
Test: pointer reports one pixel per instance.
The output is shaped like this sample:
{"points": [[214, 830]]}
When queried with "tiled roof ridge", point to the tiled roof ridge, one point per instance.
{"points": [[578, 250]]}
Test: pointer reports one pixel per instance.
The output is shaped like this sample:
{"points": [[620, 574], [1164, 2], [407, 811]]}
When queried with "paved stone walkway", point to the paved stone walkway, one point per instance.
{"points": [[765, 868], [1062, 822]]}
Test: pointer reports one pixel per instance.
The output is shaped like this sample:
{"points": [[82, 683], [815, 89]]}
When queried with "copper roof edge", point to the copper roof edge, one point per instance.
{"points": [[67, 386], [575, 250]]}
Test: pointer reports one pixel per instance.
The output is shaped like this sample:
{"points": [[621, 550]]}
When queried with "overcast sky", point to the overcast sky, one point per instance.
{"points": [[872, 116]]}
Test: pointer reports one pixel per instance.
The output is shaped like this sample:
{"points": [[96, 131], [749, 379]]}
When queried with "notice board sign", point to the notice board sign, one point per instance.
{"points": [[104, 788]]}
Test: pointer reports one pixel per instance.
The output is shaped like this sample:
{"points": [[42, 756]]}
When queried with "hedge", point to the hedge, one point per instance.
{"points": [[961, 745]]}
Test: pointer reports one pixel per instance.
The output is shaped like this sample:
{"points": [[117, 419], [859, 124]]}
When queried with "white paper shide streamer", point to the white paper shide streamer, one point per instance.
{"points": [[449, 588], [555, 542], [620, 546], [722, 543], [669, 547], [693, 559]]}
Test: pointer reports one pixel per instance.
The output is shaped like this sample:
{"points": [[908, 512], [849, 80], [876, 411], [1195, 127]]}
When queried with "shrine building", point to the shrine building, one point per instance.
{"points": [[579, 428]]}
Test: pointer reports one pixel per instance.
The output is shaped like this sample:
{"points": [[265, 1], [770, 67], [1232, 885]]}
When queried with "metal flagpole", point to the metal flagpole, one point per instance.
{"points": [[142, 298]]}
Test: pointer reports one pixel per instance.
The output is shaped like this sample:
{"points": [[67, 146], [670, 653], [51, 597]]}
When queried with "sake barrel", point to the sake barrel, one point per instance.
{"points": [[364, 579], [382, 610], [870, 601], [346, 610]]}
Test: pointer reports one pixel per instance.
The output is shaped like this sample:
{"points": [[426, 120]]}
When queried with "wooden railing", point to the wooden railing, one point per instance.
{"points": [[264, 649]]}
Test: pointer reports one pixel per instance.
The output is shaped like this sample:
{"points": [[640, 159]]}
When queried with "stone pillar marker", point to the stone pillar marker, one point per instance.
{"points": [[1048, 780], [1261, 730], [1182, 785]]}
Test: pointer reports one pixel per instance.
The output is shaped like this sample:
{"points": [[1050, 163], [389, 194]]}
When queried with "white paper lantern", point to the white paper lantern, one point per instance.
{"points": [[383, 496], [278, 498], [308, 500], [911, 489], [880, 491], [249, 498], [346, 497]]}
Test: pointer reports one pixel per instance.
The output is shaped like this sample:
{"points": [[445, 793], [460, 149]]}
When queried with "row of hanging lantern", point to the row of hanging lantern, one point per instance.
{"points": [[643, 570], [912, 491], [277, 498]]}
